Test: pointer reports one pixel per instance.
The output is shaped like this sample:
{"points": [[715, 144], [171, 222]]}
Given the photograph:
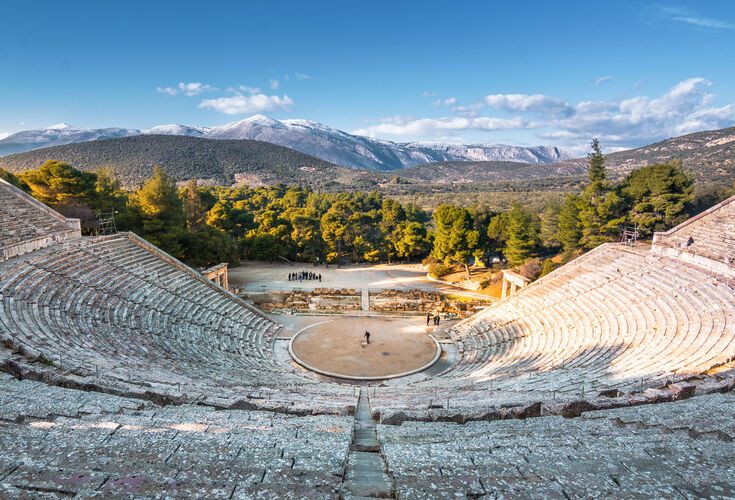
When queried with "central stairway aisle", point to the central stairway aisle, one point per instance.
{"points": [[365, 299], [366, 474]]}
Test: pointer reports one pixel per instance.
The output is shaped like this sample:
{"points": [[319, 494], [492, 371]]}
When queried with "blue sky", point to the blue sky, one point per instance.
{"points": [[535, 73]]}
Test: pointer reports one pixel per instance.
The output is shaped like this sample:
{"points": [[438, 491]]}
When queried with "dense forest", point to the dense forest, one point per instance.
{"points": [[203, 225]]}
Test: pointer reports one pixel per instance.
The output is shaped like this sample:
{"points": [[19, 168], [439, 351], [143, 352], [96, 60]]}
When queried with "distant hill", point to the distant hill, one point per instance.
{"points": [[465, 172], [57, 135], [219, 161], [709, 155]]}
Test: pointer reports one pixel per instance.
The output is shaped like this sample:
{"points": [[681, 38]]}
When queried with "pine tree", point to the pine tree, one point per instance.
{"points": [[455, 240], [194, 209], [523, 231], [161, 210], [596, 163], [550, 227], [600, 208], [570, 231], [657, 196], [58, 183]]}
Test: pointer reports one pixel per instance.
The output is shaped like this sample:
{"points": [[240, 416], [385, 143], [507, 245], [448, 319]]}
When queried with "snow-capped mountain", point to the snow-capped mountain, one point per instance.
{"points": [[356, 151], [174, 129], [312, 138], [56, 135]]}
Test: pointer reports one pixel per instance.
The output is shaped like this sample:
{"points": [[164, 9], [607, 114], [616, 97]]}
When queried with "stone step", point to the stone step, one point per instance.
{"points": [[366, 473], [371, 490]]}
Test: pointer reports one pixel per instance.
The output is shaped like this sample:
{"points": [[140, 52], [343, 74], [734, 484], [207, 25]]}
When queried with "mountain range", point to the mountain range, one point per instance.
{"points": [[212, 161], [312, 138], [709, 155]]}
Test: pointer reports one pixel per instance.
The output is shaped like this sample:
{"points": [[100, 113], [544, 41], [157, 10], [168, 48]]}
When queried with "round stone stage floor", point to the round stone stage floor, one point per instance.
{"points": [[335, 348]]}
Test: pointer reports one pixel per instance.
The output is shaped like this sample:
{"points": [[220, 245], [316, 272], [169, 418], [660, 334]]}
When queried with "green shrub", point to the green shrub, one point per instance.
{"points": [[439, 269], [548, 266]]}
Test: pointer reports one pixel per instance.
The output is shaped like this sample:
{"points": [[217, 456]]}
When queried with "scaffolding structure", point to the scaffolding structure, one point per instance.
{"points": [[629, 235], [106, 222]]}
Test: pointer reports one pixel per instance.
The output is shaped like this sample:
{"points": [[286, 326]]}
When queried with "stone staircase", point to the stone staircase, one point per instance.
{"points": [[365, 299], [366, 474]]}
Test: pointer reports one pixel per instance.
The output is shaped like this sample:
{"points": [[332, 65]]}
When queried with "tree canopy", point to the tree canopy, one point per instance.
{"points": [[207, 224]]}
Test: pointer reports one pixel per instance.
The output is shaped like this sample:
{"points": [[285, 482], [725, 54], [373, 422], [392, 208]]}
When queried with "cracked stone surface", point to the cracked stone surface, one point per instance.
{"points": [[55, 443], [669, 450]]}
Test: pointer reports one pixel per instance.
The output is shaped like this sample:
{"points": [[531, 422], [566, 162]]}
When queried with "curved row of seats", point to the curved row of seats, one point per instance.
{"points": [[116, 312], [710, 235], [108, 311], [26, 225], [616, 318], [629, 318], [672, 450], [57, 442], [22, 220]]}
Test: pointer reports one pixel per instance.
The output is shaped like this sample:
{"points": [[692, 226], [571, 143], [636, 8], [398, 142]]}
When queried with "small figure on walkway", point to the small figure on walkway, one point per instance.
{"points": [[436, 320], [428, 318], [320, 277], [366, 337]]}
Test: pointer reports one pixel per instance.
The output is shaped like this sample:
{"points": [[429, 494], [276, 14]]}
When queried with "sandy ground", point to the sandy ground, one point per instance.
{"points": [[336, 345], [264, 277]]}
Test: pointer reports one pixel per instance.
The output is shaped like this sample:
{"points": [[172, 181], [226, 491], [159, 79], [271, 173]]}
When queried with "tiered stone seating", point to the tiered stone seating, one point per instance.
{"points": [[109, 312], [616, 318], [707, 240], [117, 317], [63, 442], [26, 225], [670, 450]]}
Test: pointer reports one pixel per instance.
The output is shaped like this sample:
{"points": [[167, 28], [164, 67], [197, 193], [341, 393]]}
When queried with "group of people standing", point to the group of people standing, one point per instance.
{"points": [[304, 275], [430, 318]]}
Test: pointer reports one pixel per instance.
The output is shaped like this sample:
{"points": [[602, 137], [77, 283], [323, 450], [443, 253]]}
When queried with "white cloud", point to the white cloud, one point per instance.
{"points": [[429, 93], [602, 79], [249, 90], [536, 103], [688, 16], [242, 104], [445, 102], [303, 76], [685, 108], [3, 135], [167, 90], [187, 89], [434, 126], [274, 84]]}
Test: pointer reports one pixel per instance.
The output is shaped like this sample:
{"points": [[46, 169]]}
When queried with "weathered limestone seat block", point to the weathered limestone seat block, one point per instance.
{"points": [[56, 441], [707, 240], [27, 225], [112, 313], [670, 450], [617, 318]]}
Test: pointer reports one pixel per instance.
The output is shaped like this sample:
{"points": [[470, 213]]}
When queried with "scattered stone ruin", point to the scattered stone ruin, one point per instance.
{"points": [[218, 274], [318, 300], [512, 282]]}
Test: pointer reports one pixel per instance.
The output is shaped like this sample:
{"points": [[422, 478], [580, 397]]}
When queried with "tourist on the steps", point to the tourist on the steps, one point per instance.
{"points": [[366, 337], [428, 318]]}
